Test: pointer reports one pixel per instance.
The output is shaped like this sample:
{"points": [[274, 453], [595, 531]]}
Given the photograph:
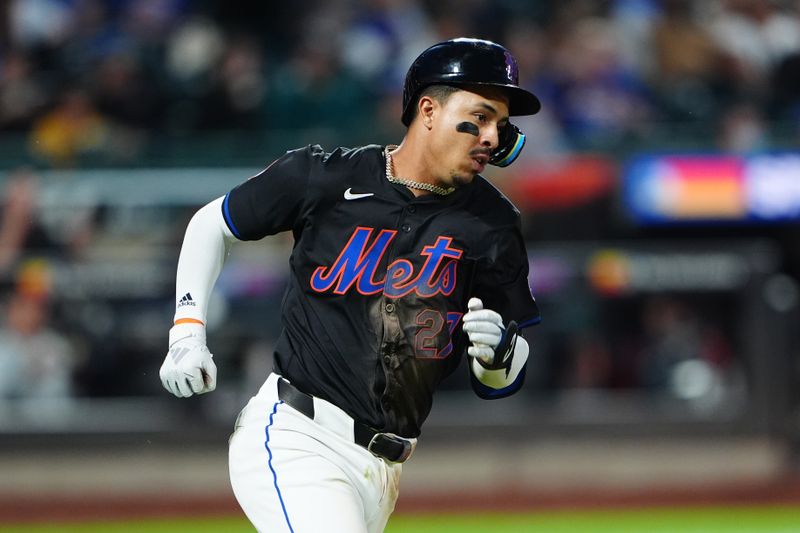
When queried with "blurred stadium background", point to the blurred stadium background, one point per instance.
{"points": [[660, 191]]}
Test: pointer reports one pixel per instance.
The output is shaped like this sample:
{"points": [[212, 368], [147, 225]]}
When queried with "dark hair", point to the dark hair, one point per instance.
{"points": [[439, 92]]}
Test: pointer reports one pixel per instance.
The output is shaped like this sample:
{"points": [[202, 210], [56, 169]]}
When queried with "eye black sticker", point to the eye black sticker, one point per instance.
{"points": [[468, 127]]}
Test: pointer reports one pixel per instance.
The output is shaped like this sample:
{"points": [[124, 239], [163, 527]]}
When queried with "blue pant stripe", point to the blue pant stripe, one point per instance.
{"points": [[269, 462]]}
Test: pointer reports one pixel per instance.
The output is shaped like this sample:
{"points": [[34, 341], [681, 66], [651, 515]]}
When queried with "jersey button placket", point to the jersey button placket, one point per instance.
{"points": [[390, 307]]}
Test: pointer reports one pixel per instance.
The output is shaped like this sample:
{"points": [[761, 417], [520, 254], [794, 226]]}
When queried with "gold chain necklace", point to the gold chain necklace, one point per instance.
{"points": [[442, 191]]}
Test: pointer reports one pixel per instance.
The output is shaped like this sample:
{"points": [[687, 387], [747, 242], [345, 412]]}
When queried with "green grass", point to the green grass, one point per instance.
{"points": [[700, 520], [208, 525], [766, 519]]}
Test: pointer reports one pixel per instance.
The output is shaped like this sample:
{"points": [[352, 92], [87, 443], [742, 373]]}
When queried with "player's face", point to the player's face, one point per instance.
{"points": [[467, 133]]}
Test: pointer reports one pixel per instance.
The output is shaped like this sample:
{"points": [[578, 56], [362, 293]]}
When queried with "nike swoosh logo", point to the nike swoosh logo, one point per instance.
{"points": [[350, 195]]}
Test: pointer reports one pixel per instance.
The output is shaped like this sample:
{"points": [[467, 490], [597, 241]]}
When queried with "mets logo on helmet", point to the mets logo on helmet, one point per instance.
{"points": [[512, 70]]}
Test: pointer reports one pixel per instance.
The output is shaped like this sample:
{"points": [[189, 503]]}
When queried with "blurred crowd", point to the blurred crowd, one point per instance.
{"points": [[111, 76], [41, 354], [114, 77], [64, 334]]}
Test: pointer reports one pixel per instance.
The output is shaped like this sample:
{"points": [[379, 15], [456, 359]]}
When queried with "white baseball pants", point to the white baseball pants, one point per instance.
{"points": [[291, 474]]}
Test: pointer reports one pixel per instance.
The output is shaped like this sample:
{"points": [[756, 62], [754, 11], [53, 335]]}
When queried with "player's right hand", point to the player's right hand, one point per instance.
{"points": [[188, 367]]}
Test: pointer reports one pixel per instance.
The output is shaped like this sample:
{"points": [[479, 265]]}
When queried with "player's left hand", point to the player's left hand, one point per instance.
{"points": [[188, 367], [485, 330]]}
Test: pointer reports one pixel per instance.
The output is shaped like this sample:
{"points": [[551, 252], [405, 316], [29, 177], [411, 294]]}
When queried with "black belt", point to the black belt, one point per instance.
{"points": [[385, 445]]}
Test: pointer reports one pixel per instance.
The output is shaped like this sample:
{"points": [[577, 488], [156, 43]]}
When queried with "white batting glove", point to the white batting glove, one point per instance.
{"points": [[484, 328], [188, 367]]}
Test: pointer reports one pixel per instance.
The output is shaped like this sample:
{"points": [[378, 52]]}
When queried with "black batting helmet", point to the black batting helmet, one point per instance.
{"points": [[467, 62]]}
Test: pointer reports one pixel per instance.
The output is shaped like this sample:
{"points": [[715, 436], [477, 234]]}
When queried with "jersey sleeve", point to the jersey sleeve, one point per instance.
{"points": [[503, 285], [271, 201]]}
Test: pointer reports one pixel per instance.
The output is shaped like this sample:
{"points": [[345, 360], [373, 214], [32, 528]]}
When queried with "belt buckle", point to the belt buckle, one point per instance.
{"points": [[408, 446]]}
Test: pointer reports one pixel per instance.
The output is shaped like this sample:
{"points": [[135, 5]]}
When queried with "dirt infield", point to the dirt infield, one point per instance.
{"points": [[109, 483], [30, 509]]}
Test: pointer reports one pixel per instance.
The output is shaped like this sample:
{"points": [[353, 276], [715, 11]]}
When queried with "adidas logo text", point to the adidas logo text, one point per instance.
{"points": [[186, 300]]}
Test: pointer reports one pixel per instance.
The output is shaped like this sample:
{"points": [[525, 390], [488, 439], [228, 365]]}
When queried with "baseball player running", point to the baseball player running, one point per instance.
{"points": [[398, 250]]}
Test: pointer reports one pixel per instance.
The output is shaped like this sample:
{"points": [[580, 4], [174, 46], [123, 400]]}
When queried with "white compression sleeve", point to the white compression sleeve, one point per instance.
{"points": [[497, 379], [204, 250]]}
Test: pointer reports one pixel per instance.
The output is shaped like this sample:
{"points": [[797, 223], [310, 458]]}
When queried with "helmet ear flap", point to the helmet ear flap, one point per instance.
{"points": [[511, 143]]}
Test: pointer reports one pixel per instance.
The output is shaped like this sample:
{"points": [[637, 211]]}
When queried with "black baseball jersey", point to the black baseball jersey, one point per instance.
{"points": [[380, 278]]}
